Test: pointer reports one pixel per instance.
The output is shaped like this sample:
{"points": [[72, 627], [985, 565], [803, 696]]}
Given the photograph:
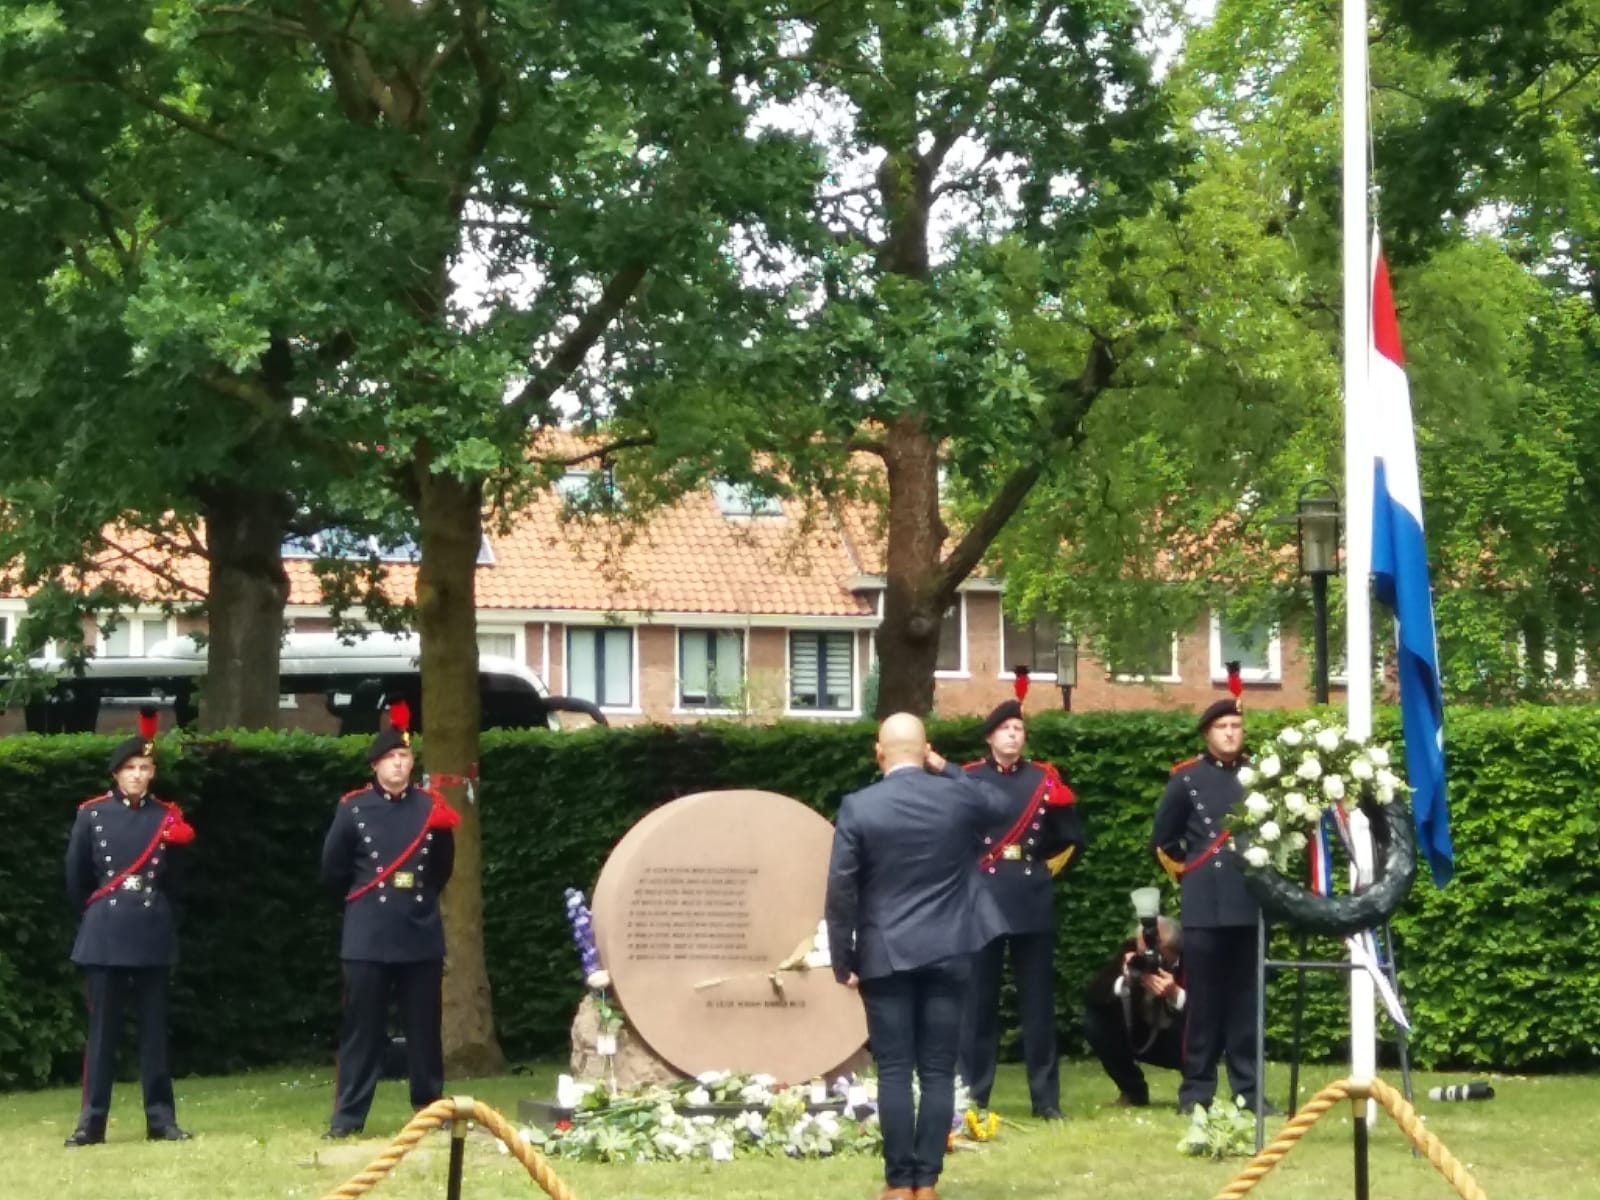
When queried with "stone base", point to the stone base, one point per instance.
{"points": [[637, 1065]]}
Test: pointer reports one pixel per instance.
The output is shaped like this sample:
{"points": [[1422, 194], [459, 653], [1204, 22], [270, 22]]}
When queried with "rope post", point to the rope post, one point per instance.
{"points": [[1359, 1091], [458, 1145]]}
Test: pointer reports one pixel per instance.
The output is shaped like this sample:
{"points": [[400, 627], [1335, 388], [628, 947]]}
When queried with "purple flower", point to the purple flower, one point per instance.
{"points": [[582, 932]]}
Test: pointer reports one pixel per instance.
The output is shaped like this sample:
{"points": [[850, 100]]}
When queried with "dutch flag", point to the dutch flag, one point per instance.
{"points": [[1400, 575]]}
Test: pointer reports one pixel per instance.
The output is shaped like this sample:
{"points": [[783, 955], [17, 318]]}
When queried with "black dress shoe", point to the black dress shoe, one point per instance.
{"points": [[1048, 1114], [334, 1135], [167, 1133], [83, 1137]]}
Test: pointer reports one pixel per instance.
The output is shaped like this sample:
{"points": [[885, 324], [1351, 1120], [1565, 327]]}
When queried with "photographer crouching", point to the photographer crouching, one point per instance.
{"points": [[1134, 1008]]}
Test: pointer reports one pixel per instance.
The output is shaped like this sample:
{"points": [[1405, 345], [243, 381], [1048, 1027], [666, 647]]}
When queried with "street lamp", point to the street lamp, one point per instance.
{"points": [[1066, 670], [1317, 524]]}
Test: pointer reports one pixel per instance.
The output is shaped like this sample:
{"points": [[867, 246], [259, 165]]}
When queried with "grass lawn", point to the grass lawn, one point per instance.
{"points": [[257, 1136]]}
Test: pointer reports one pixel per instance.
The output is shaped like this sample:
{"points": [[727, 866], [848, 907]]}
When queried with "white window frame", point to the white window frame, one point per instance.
{"points": [[1272, 673], [678, 706], [822, 714], [517, 630], [963, 670], [1172, 677], [633, 653], [133, 622], [1005, 659]]}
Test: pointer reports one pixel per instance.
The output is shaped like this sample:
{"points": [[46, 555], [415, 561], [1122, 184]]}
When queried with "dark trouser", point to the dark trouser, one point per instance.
{"points": [[1106, 1029], [914, 1024], [1220, 978], [365, 1034], [1033, 963], [106, 988]]}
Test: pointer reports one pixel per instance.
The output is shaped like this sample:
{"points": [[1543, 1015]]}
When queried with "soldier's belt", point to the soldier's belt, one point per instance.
{"points": [[1011, 853]]}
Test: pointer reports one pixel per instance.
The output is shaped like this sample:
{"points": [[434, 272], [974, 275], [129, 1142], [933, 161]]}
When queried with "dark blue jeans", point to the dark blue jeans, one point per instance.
{"points": [[914, 1024]]}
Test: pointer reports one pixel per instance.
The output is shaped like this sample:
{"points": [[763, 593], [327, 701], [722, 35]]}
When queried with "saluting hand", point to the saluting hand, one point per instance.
{"points": [[933, 760]]}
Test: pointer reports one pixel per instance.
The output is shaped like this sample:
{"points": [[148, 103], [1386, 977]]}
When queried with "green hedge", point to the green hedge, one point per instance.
{"points": [[1490, 966]]}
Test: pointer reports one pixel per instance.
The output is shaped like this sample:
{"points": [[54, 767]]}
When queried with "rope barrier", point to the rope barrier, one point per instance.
{"points": [[1393, 1102], [445, 1112]]}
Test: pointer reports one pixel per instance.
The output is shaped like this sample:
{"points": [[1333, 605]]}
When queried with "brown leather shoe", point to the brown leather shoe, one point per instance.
{"points": [[896, 1193], [924, 1193]]}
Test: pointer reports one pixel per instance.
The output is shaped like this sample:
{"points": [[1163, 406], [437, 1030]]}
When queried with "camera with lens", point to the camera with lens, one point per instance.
{"points": [[1148, 961]]}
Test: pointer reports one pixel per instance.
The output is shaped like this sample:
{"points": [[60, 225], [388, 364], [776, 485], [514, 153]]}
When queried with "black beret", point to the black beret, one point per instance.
{"points": [[141, 744], [389, 739], [1229, 707], [1002, 713]]}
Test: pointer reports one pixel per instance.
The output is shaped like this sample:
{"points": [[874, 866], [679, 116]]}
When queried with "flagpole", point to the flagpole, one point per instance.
{"points": [[1359, 474]]}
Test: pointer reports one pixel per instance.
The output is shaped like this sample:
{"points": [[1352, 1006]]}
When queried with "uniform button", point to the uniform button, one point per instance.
{"points": [[102, 841], [422, 866], [147, 904], [1036, 824], [1208, 820], [110, 874], [361, 824], [354, 810], [99, 828], [368, 838], [380, 885], [419, 897], [1192, 792], [108, 858], [430, 837], [425, 849], [93, 814], [374, 854], [113, 902], [155, 862], [149, 874], [987, 841], [382, 899], [991, 870], [1027, 870], [1217, 865]]}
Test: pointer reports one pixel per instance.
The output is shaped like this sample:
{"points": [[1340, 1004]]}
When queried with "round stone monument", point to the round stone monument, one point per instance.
{"points": [[702, 915]]}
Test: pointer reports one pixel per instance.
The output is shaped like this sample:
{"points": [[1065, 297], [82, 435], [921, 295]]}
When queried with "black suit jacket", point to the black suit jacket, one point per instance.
{"points": [[1144, 1016], [903, 887]]}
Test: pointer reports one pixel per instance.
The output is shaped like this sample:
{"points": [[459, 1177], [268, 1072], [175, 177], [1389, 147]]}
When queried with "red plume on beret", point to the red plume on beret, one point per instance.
{"points": [[1235, 683], [1020, 684], [149, 723], [400, 716]]}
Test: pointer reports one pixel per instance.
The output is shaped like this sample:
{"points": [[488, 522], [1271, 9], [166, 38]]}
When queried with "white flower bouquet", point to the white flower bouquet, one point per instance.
{"points": [[1294, 778]]}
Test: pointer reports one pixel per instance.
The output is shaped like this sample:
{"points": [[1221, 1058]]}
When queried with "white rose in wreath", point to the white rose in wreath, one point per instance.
{"points": [[1297, 841], [1328, 739], [1291, 737], [1333, 788], [1257, 856], [1309, 768], [1246, 776], [1295, 803], [1269, 832], [1379, 756], [1257, 805], [1361, 767], [1271, 767]]}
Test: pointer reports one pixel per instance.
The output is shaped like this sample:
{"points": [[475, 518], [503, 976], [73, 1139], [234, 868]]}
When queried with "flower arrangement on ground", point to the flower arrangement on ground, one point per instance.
{"points": [[595, 976], [1305, 773], [773, 1119]]}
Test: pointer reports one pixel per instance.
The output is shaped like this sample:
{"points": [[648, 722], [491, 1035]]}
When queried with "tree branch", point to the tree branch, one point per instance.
{"points": [[187, 121], [105, 215], [1064, 432], [614, 297], [861, 444], [627, 443]]}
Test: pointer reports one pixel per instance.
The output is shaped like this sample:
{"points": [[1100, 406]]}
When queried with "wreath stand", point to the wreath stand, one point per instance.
{"points": [[1365, 909]]}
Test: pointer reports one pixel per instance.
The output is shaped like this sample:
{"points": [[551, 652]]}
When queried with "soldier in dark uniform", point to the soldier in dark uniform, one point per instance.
{"points": [[119, 868], [388, 854], [1042, 835], [1219, 915]]}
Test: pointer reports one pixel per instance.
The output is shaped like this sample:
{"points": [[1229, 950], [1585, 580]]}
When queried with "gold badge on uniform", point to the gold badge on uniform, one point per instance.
{"points": [[1012, 853], [404, 879]]}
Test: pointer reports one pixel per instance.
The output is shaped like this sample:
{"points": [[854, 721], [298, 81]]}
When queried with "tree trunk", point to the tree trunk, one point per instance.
{"points": [[451, 519], [916, 589], [247, 594]]}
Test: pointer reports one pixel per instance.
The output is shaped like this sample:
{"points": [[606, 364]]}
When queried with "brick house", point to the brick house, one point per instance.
{"points": [[732, 606]]}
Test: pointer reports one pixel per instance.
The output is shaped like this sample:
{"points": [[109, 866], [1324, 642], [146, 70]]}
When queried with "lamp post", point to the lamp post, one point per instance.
{"points": [[1317, 525], [1066, 670]]}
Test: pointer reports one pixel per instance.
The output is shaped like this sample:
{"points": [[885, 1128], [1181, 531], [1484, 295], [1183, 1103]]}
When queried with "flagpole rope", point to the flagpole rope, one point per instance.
{"points": [[1341, 1089]]}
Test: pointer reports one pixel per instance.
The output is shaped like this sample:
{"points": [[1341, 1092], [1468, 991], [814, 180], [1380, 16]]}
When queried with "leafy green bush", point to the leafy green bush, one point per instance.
{"points": [[259, 984]]}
